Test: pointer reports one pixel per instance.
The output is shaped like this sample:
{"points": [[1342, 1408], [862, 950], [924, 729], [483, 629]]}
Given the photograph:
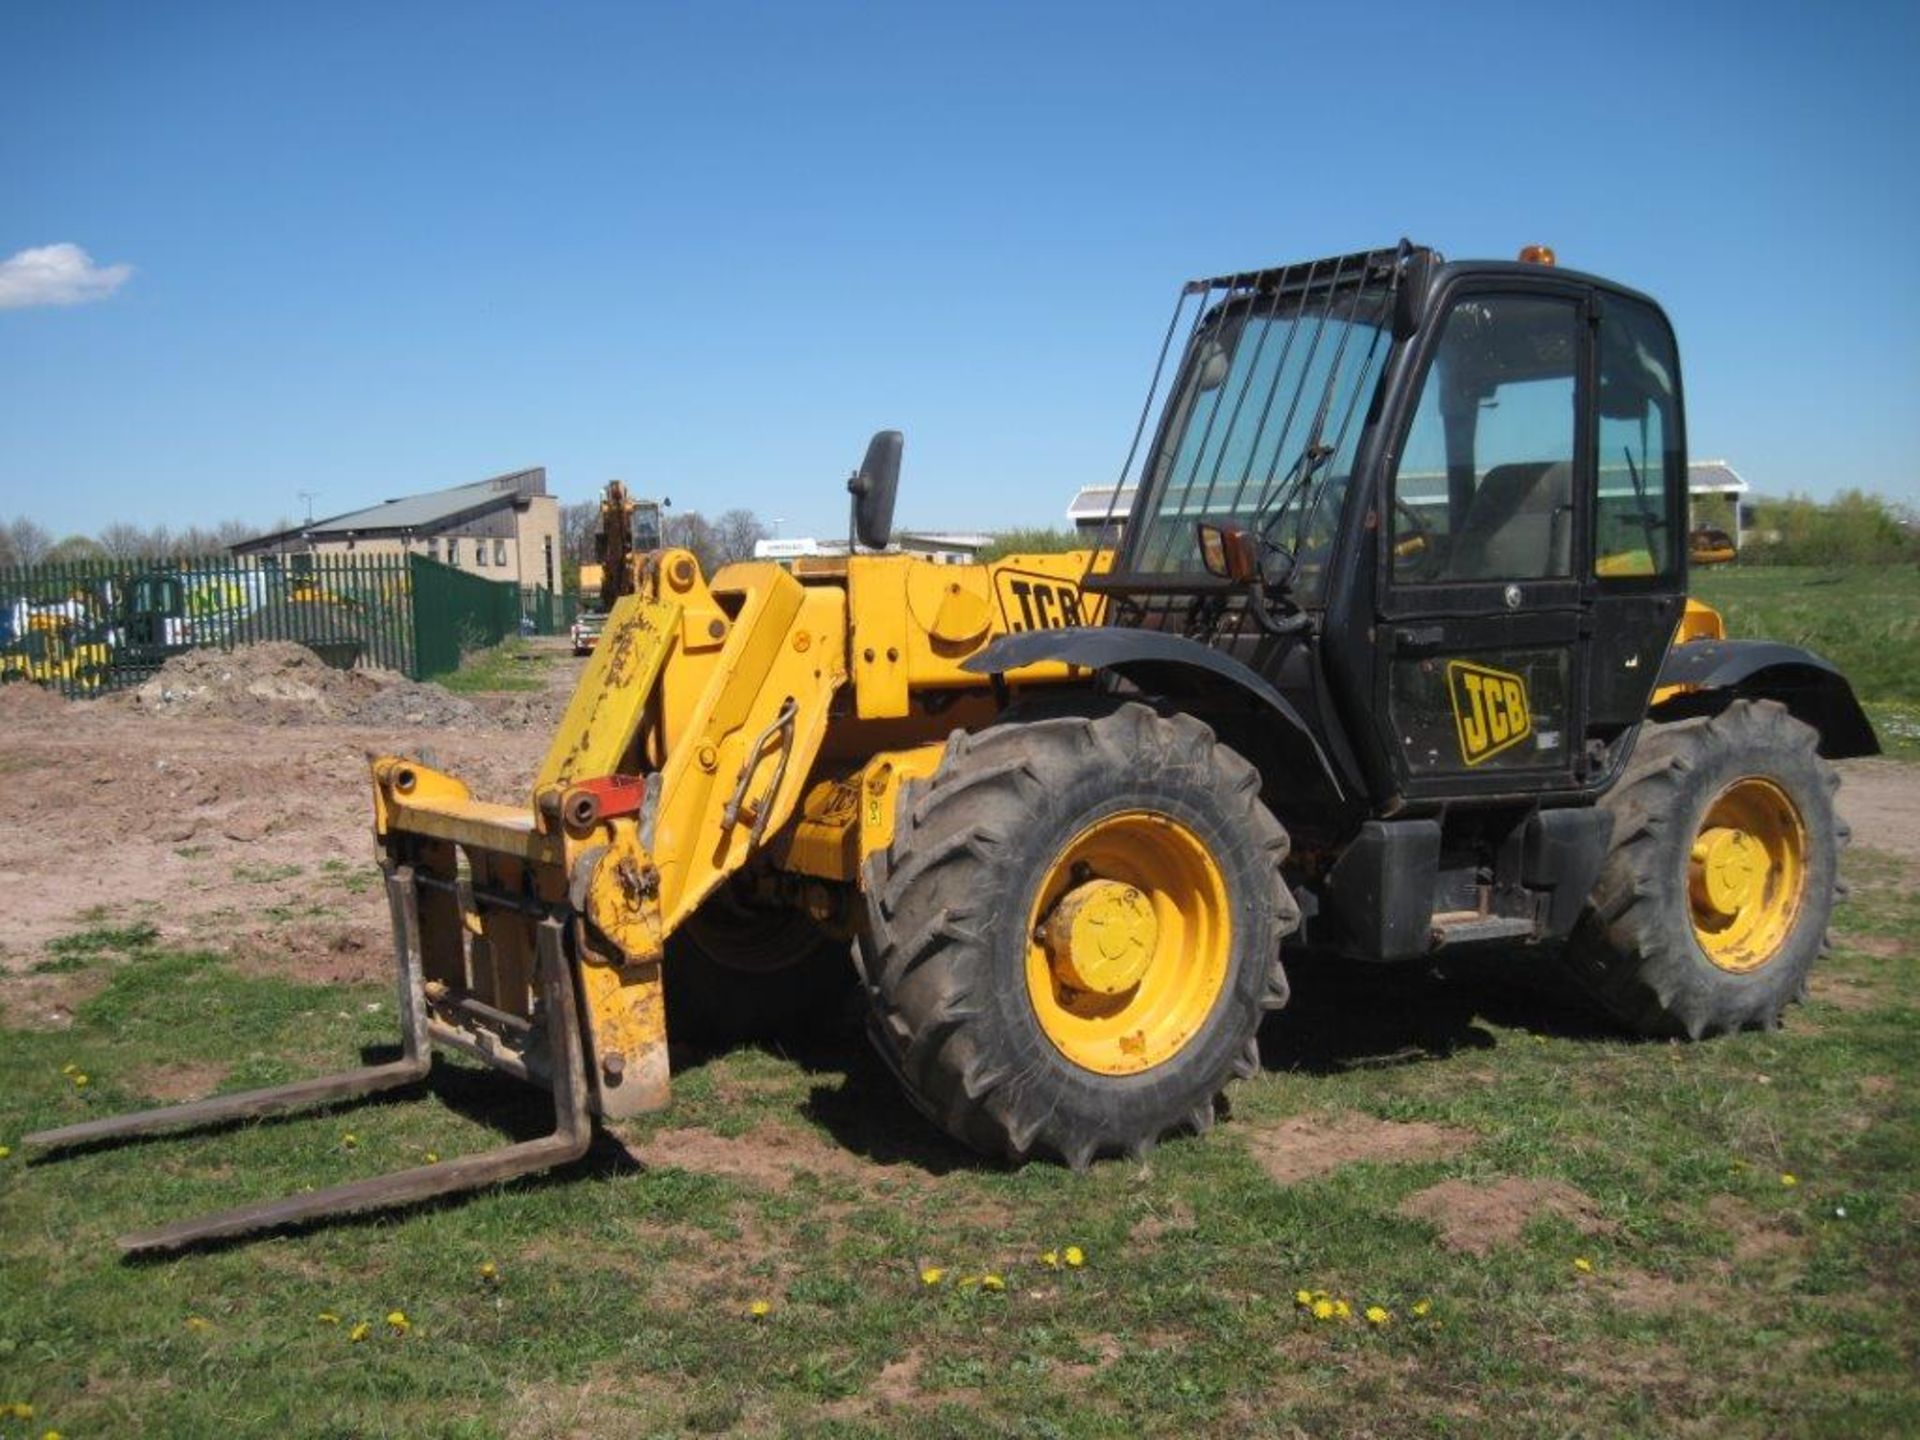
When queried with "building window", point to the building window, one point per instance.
{"points": [[500, 552], [453, 550], [546, 545], [480, 553], [433, 547]]}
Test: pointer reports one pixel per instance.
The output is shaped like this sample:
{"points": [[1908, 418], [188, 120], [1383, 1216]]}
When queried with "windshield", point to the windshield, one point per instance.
{"points": [[1262, 427]]}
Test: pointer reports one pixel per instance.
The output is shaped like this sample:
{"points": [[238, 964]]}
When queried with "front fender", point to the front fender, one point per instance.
{"points": [[1153, 660], [1703, 675]]}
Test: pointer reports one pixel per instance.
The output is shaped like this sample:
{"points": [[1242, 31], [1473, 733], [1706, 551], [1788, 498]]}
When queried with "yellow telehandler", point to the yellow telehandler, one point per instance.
{"points": [[1386, 650]]}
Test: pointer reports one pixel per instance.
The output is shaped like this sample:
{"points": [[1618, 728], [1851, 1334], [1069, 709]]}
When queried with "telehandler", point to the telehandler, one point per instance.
{"points": [[1386, 651]]}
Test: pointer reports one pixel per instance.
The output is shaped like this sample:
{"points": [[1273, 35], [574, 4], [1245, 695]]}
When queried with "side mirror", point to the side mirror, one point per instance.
{"points": [[873, 487], [1227, 552]]}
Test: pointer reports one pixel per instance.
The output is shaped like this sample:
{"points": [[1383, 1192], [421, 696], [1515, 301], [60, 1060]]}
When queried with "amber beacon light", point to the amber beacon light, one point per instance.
{"points": [[1536, 255]]}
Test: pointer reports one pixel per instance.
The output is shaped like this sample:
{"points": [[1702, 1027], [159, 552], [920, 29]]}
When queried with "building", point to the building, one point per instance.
{"points": [[1099, 517], [506, 528]]}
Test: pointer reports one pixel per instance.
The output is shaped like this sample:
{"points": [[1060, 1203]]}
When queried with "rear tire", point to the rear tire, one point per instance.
{"points": [[1665, 947], [1024, 826]]}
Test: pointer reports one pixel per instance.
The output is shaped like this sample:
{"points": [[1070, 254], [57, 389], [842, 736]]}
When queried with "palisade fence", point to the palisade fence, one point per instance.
{"points": [[88, 627]]}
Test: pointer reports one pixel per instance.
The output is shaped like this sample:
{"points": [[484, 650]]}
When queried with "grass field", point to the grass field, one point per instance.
{"points": [[1663, 1275], [513, 664], [1864, 620]]}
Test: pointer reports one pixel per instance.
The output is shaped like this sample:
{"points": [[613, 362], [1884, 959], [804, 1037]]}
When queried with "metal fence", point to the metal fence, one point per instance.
{"points": [[92, 626], [89, 626]]}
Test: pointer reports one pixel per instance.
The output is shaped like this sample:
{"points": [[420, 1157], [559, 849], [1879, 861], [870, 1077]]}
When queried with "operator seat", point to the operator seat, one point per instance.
{"points": [[1519, 525]]}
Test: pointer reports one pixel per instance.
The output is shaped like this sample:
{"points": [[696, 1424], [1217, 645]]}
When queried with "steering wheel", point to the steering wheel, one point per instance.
{"points": [[1416, 555]]}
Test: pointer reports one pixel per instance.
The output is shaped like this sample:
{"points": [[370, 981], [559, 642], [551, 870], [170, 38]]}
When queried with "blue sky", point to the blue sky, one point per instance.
{"points": [[710, 247]]}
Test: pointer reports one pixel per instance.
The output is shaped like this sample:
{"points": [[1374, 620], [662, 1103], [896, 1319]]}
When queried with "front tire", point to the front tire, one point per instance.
{"points": [[1075, 933], [1715, 900]]}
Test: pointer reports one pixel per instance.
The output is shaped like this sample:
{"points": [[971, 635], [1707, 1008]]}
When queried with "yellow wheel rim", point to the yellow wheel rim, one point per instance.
{"points": [[1128, 943], [1747, 874]]}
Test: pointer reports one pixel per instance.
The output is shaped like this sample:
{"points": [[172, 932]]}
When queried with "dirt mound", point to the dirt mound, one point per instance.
{"points": [[1475, 1217], [1307, 1146], [281, 683]]}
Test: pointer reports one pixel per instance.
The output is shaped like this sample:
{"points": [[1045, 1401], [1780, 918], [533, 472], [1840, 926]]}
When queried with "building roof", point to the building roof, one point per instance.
{"points": [[410, 514], [1096, 502], [1714, 477]]}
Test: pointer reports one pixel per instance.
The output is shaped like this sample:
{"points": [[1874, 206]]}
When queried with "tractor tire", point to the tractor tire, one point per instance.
{"points": [[1724, 872], [1075, 933], [739, 971]]}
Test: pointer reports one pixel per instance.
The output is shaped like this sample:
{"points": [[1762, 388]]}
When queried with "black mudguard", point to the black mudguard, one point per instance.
{"points": [[1810, 687], [1155, 661]]}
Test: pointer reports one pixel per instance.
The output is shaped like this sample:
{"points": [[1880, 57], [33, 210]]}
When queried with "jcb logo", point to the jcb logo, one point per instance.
{"points": [[1489, 708], [1038, 602]]}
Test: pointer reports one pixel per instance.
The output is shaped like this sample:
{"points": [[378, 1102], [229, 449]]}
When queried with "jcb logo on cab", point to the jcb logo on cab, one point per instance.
{"points": [[1489, 709]]}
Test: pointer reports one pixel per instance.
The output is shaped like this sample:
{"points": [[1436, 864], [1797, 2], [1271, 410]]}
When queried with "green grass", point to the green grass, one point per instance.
{"points": [[1866, 620], [510, 665], [1720, 1298]]}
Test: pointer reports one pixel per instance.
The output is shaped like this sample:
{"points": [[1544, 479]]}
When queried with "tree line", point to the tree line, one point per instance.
{"points": [[27, 542]]}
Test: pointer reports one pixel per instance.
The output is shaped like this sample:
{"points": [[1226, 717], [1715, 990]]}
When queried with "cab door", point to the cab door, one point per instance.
{"points": [[1481, 669]]}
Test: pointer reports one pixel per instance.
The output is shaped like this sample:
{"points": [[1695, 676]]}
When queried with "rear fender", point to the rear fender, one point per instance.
{"points": [[1704, 676]]}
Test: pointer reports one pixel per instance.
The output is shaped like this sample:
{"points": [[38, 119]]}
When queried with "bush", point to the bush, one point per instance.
{"points": [[1854, 528]]}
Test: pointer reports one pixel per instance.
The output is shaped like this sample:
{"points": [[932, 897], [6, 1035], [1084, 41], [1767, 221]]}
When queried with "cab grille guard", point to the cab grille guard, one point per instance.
{"points": [[571, 1135]]}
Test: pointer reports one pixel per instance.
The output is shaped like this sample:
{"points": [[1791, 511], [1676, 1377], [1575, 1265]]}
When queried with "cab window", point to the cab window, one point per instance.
{"points": [[1640, 465], [1483, 490]]}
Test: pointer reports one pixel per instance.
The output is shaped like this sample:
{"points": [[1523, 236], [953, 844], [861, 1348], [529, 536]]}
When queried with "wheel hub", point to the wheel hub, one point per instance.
{"points": [[1729, 869], [1101, 937]]}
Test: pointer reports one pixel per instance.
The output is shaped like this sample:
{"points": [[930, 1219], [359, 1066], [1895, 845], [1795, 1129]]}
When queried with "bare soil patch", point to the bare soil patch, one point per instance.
{"points": [[1755, 1238], [1307, 1146], [1881, 799], [183, 1081], [769, 1157], [1475, 1216], [231, 820]]}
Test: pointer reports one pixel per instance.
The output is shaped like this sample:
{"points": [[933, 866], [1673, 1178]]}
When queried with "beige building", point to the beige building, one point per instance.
{"points": [[506, 528]]}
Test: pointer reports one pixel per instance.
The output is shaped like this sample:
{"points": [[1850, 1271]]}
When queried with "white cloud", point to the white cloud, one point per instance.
{"points": [[56, 275]]}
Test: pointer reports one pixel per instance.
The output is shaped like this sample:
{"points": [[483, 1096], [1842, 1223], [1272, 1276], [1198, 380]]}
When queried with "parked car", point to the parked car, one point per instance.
{"points": [[586, 630]]}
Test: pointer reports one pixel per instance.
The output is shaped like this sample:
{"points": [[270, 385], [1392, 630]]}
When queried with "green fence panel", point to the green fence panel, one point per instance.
{"points": [[91, 626], [454, 612]]}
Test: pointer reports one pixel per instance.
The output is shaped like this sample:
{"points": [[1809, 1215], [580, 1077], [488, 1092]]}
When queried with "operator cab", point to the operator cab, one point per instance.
{"points": [[1438, 506]]}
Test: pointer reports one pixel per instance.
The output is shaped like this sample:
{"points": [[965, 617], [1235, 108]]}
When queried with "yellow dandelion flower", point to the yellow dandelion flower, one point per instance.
{"points": [[1421, 1307], [967, 1282], [359, 1332], [17, 1410], [992, 1282], [69, 1069], [1074, 1256], [1303, 1297], [195, 1322], [53, 1435], [1343, 1310], [1323, 1309], [327, 1317], [1583, 1264], [1378, 1315], [432, 1158], [1051, 1259], [1789, 1180], [933, 1275], [760, 1309], [349, 1140], [397, 1322], [80, 1082], [489, 1272], [5, 1151]]}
